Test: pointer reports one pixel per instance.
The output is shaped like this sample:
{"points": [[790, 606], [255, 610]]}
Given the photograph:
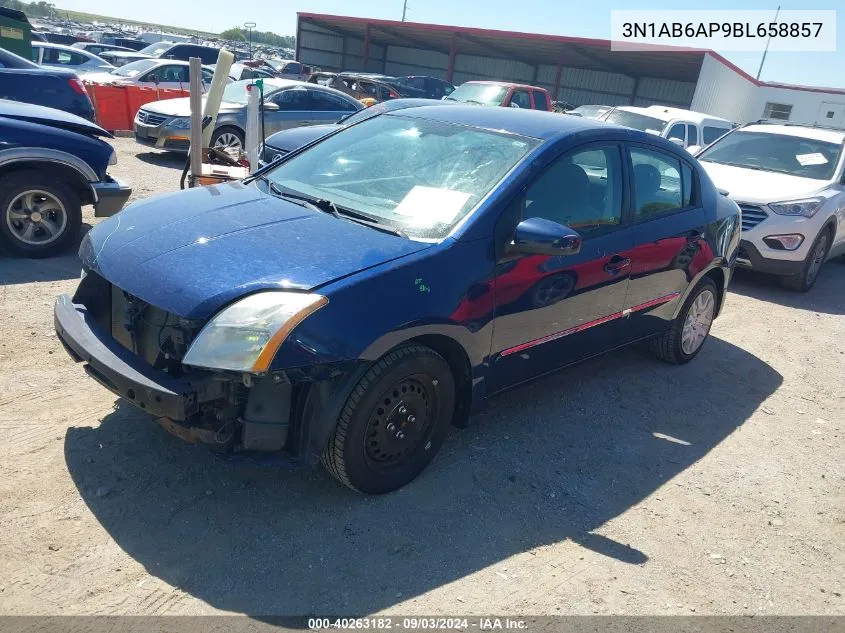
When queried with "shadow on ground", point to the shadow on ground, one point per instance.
{"points": [[172, 160], [827, 296], [551, 461], [20, 270]]}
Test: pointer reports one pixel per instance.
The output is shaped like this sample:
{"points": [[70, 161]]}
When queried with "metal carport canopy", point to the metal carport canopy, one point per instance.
{"points": [[534, 49]]}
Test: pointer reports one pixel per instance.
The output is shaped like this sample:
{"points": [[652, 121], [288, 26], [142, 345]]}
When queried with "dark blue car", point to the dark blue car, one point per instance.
{"points": [[361, 295], [60, 88], [51, 164]]}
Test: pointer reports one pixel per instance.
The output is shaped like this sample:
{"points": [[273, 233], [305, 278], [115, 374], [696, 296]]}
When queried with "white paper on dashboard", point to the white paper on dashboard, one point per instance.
{"points": [[811, 159], [432, 204]]}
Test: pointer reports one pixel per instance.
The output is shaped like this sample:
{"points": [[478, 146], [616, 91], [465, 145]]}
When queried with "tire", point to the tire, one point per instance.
{"points": [[806, 279], [411, 389], [228, 131], [40, 216], [670, 345]]}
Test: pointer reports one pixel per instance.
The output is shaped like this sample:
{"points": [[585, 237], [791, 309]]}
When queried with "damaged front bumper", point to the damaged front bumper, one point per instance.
{"points": [[124, 373]]}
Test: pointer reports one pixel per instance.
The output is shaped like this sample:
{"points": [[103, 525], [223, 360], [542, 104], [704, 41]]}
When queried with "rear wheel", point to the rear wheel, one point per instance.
{"points": [[806, 279], [685, 338], [39, 215], [393, 422]]}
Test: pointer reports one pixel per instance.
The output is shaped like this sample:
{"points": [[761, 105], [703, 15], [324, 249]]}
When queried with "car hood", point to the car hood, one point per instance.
{"points": [[295, 137], [751, 185], [182, 106], [192, 252], [50, 117]]}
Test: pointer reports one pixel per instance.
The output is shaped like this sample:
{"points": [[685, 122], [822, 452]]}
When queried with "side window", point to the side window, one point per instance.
{"points": [[207, 76], [208, 55], [521, 99], [678, 131], [418, 82], [540, 101], [657, 184], [692, 134], [35, 51], [325, 102], [76, 59], [581, 189], [292, 69], [710, 134], [292, 100]]}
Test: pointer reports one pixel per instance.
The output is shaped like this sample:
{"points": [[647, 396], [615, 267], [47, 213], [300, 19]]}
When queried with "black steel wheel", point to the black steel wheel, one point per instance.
{"points": [[393, 422]]}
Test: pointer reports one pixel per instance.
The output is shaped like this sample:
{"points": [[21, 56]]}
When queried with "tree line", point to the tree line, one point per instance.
{"points": [[39, 9], [269, 38]]}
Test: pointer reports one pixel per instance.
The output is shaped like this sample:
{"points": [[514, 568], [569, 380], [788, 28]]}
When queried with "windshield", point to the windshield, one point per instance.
{"points": [[636, 121], [589, 111], [485, 94], [780, 153], [236, 92], [415, 175], [154, 50], [134, 68]]}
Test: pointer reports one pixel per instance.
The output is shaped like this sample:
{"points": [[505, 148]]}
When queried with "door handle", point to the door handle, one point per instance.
{"points": [[617, 264]]}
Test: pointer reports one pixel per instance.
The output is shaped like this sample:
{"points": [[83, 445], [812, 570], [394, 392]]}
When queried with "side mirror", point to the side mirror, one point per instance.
{"points": [[538, 236], [269, 106], [677, 141], [694, 149]]}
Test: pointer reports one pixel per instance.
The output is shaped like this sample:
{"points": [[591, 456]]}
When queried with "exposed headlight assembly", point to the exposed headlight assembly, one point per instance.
{"points": [[806, 208], [179, 123], [245, 336]]}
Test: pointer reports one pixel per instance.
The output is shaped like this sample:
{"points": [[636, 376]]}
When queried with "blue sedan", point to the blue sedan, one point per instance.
{"points": [[356, 298]]}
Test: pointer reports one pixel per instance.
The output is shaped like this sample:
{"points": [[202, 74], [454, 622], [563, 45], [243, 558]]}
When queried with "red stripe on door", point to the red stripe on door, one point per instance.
{"points": [[589, 324]]}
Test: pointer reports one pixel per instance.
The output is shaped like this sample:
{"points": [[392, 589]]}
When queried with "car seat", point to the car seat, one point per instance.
{"points": [[562, 195], [647, 182]]}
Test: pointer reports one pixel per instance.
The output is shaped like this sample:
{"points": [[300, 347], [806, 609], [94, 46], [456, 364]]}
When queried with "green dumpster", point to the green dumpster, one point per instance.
{"points": [[15, 32]]}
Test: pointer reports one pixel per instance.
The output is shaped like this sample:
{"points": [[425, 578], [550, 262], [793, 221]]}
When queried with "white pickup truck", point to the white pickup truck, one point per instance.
{"points": [[684, 127]]}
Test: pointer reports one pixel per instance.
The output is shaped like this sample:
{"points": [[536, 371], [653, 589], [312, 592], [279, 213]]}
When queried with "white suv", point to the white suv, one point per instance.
{"points": [[789, 182]]}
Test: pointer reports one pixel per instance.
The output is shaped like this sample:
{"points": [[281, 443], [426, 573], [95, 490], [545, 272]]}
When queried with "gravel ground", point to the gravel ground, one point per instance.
{"points": [[622, 486]]}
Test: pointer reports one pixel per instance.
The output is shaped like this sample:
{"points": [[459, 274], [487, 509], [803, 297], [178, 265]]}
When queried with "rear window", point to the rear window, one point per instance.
{"points": [[710, 134], [540, 100]]}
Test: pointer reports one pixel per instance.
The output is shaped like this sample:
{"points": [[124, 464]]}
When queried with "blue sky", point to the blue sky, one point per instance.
{"points": [[558, 17]]}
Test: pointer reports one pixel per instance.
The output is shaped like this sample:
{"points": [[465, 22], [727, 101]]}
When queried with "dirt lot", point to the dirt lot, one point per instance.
{"points": [[623, 486]]}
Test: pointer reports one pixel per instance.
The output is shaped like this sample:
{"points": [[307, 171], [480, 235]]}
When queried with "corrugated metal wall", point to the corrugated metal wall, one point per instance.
{"points": [[578, 86], [723, 92]]}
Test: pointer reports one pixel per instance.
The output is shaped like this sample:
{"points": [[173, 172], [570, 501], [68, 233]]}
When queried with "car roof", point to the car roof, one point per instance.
{"points": [[61, 47], [507, 84], [533, 123], [800, 131]]}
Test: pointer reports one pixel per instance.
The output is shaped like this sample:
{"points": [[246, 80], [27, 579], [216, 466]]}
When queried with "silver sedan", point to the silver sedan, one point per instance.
{"points": [[287, 104]]}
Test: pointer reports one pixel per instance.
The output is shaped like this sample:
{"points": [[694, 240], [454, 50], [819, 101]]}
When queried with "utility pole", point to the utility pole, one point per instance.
{"points": [[250, 26], [766, 50], [404, 10]]}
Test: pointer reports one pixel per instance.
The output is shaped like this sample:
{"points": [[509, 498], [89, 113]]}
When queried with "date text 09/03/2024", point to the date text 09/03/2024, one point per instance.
{"points": [[417, 623]]}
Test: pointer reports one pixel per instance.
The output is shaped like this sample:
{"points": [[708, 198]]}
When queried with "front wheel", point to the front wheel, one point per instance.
{"points": [[39, 214], [685, 338], [806, 279], [228, 137], [393, 422]]}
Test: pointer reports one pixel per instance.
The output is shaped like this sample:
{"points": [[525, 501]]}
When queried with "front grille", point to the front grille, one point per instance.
{"points": [[148, 118], [752, 215]]}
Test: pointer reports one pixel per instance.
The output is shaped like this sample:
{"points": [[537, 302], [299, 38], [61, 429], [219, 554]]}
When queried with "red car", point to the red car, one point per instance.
{"points": [[502, 93]]}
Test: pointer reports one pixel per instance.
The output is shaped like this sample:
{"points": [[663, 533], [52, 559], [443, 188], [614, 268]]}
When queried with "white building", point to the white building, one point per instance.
{"points": [[727, 91], [573, 69]]}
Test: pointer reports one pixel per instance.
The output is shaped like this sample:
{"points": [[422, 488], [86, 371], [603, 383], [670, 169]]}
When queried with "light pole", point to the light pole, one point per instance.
{"points": [[249, 26], [404, 10]]}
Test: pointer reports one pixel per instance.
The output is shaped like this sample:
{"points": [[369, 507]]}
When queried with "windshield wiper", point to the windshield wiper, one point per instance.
{"points": [[315, 204], [327, 206]]}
